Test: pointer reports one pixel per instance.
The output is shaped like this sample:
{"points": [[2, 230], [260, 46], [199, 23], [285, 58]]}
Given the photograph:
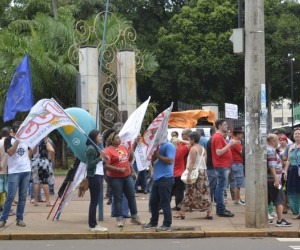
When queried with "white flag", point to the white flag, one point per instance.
{"points": [[132, 126], [156, 134], [45, 116]]}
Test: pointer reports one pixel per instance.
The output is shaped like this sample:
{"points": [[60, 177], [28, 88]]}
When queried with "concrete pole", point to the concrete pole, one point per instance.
{"points": [[88, 69], [255, 123], [127, 97]]}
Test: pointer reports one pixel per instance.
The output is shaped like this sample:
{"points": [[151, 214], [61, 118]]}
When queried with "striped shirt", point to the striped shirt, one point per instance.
{"points": [[273, 161]]}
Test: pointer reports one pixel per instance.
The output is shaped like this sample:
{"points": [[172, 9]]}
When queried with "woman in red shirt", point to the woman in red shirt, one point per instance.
{"points": [[118, 171]]}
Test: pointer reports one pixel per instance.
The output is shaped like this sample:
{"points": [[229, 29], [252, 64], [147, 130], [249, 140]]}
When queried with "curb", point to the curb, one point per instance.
{"points": [[148, 235]]}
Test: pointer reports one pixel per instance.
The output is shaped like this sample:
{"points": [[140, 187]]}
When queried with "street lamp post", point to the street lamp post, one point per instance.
{"points": [[292, 59]]}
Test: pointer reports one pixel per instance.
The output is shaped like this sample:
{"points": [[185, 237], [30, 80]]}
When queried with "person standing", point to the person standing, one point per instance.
{"points": [[238, 166], [3, 166], [119, 177], [275, 169], [293, 176], [222, 161], [163, 181], [182, 152], [19, 171], [41, 167], [212, 177], [203, 140], [197, 195], [95, 175]]}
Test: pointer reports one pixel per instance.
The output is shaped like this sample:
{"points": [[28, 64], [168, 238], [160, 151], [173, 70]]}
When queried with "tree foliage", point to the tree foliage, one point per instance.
{"points": [[195, 56], [282, 25]]}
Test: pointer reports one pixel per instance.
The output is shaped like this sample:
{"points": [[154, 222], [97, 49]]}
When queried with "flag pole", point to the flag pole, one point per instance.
{"points": [[78, 127]]}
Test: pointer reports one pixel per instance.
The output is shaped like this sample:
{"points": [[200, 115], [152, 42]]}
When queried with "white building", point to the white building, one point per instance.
{"points": [[281, 113]]}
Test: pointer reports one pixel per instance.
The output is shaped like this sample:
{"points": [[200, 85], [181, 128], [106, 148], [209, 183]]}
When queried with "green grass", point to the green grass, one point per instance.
{"points": [[59, 171]]}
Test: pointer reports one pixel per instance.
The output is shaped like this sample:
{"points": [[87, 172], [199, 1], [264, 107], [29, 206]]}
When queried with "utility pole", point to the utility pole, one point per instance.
{"points": [[292, 59], [255, 119]]}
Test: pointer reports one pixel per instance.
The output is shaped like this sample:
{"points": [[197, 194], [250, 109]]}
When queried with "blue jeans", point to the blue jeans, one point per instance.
{"points": [[212, 178], [120, 185], [222, 182], [17, 181], [160, 199], [31, 185], [141, 180]]}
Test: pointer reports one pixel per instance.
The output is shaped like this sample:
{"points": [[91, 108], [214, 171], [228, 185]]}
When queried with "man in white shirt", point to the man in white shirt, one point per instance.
{"points": [[19, 171]]}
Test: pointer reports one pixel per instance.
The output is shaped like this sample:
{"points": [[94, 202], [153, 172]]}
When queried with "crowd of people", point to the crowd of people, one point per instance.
{"points": [[218, 160], [23, 170]]}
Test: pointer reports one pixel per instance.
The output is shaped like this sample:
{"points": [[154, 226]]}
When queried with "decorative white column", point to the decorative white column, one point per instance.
{"points": [[126, 83], [88, 69]]}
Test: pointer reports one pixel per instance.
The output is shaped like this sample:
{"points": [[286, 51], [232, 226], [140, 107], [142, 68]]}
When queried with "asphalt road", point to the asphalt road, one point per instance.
{"points": [[160, 244]]}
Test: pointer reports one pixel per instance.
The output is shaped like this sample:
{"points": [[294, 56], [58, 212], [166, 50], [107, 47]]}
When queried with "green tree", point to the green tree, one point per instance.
{"points": [[195, 56], [282, 25]]}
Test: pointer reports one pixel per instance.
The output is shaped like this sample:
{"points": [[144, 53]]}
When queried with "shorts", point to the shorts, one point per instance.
{"points": [[238, 172], [275, 195]]}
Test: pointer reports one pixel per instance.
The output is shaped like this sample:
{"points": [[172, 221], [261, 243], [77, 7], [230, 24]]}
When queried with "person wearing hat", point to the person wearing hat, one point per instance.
{"points": [[237, 165]]}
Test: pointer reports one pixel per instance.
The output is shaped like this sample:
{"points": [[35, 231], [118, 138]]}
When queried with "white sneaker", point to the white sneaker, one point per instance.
{"points": [[238, 203], [273, 214], [98, 229], [270, 217]]}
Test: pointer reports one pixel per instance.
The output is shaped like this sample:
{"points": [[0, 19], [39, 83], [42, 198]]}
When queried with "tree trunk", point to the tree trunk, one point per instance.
{"points": [[55, 8]]}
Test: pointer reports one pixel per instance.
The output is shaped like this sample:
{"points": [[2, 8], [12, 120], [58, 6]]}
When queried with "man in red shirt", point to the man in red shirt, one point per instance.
{"points": [[237, 165], [222, 161], [182, 152]]}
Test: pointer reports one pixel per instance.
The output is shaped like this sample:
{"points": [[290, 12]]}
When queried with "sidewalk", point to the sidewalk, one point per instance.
{"points": [[72, 223]]}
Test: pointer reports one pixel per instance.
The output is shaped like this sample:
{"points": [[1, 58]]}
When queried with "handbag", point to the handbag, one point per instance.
{"points": [[194, 173]]}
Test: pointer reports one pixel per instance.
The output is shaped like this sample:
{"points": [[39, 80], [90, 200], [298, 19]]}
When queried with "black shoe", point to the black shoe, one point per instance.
{"points": [[149, 226], [108, 202], [225, 213]]}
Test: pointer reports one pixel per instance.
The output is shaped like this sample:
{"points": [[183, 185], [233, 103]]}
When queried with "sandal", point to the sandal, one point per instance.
{"points": [[208, 217], [179, 215], [49, 205]]}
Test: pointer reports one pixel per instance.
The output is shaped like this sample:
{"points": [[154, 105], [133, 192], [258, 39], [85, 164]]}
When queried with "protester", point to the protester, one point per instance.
{"points": [[95, 175], [5, 132], [119, 177], [203, 139], [292, 174], [275, 193], [211, 174], [163, 181], [237, 165], [19, 171], [197, 195], [182, 152], [41, 169], [283, 153], [222, 160]]}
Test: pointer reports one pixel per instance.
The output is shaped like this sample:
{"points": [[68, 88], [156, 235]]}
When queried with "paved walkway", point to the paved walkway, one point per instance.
{"points": [[73, 223]]}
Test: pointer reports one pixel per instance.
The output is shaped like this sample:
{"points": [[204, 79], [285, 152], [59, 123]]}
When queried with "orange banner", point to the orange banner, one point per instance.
{"points": [[189, 118]]}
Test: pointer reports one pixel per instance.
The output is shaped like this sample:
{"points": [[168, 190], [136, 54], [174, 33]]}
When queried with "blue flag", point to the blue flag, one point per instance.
{"points": [[19, 96]]}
